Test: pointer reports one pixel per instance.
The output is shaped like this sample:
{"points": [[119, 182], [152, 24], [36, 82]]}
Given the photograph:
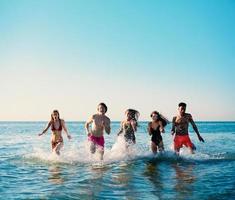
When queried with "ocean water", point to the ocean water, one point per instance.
{"points": [[28, 169]]}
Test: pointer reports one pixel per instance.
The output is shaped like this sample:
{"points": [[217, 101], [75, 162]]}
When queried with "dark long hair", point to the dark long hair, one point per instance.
{"points": [[161, 118]]}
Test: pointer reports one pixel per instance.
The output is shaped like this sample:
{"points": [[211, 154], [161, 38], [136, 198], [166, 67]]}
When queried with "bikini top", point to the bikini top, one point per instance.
{"points": [[53, 127]]}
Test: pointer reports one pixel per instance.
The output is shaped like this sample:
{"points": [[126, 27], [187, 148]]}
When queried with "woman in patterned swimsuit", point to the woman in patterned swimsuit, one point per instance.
{"points": [[129, 126]]}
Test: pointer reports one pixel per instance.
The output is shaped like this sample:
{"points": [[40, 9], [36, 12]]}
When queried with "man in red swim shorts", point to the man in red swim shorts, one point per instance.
{"points": [[180, 125]]}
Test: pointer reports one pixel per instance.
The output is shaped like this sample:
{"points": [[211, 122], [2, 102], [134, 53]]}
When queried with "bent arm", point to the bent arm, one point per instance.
{"points": [[134, 125], [87, 124], [149, 128], [45, 130], [121, 129], [173, 126], [161, 127], [107, 126]]}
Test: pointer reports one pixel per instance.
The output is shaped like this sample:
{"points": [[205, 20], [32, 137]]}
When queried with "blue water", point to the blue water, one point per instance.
{"points": [[28, 170]]}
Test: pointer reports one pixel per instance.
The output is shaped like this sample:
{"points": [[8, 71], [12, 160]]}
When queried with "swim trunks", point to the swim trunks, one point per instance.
{"points": [[97, 140], [181, 140]]}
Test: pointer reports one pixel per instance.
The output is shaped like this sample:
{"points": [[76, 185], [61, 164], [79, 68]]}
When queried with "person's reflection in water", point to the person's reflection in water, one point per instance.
{"points": [[96, 182], [184, 180], [121, 179], [55, 175], [153, 173]]}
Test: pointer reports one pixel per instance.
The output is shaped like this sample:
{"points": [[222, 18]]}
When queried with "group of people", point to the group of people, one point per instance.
{"points": [[99, 123]]}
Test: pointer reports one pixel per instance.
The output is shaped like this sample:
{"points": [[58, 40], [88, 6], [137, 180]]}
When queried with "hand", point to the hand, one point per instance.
{"points": [[200, 138], [162, 130], [69, 136]]}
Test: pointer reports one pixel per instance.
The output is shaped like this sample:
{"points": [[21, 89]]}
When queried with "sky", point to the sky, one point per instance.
{"points": [[150, 55]]}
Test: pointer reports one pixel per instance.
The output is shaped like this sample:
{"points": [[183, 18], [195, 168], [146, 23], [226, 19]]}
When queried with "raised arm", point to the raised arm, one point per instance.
{"points": [[134, 125], [45, 130], [195, 128], [65, 129], [87, 124], [121, 128]]}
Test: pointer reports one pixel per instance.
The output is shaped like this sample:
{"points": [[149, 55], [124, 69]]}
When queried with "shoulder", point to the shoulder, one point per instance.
{"points": [[188, 115], [62, 121], [174, 118], [107, 118], [123, 123], [93, 116]]}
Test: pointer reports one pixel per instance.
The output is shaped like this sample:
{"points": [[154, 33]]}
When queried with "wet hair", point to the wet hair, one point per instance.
{"points": [[160, 118], [104, 105], [134, 114], [55, 111], [182, 104]]}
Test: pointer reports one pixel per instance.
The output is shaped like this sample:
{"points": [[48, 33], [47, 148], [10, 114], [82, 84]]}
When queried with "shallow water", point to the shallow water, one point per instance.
{"points": [[28, 169]]}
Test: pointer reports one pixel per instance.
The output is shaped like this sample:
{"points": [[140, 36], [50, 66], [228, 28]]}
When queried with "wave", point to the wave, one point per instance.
{"points": [[79, 153]]}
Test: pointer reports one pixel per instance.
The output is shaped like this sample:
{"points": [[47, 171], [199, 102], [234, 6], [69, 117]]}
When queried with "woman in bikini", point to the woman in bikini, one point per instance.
{"points": [[57, 125], [129, 126], [155, 128]]}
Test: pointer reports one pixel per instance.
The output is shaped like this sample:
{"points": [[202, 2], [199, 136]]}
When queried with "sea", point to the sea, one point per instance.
{"points": [[29, 170]]}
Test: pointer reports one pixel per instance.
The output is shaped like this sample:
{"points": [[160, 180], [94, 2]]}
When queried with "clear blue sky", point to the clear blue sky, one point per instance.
{"points": [[147, 55]]}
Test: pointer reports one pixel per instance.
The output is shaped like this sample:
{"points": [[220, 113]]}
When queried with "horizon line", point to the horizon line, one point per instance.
{"points": [[2, 121]]}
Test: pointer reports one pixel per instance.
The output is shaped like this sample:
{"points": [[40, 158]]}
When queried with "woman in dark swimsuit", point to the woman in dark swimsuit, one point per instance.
{"points": [[129, 126], [155, 128], [56, 125]]}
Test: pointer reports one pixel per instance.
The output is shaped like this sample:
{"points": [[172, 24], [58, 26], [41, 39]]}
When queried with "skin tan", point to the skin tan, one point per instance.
{"points": [[154, 125], [182, 120], [56, 136], [128, 121], [99, 123]]}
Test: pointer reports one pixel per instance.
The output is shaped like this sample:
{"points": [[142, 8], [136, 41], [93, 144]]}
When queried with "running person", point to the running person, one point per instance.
{"points": [[155, 128], [100, 123], [179, 129], [57, 125], [129, 126]]}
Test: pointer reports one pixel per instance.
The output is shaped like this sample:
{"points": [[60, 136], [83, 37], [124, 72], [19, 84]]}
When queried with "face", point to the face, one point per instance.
{"points": [[182, 110], [154, 116], [55, 115], [101, 109]]}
